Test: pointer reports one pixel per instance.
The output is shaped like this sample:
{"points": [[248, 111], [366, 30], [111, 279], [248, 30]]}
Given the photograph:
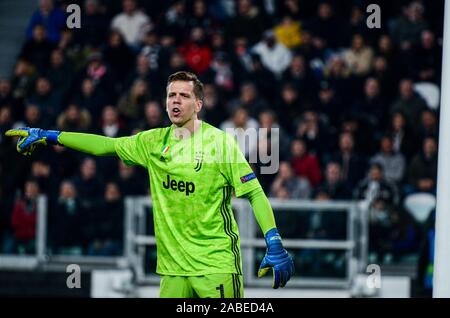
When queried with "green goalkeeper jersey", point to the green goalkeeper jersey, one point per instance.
{"points": [[191, 182]]}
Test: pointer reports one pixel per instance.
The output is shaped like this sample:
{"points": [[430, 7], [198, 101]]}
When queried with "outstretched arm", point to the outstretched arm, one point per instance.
{"points": [[30, 138], [276, 258]]}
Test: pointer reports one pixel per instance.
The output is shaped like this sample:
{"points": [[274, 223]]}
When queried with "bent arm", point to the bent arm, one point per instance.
{"points": [[262, 209], [89, 143]]}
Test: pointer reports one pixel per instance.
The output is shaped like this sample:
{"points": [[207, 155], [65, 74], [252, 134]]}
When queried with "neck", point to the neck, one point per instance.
{"points": [[190, 127]]}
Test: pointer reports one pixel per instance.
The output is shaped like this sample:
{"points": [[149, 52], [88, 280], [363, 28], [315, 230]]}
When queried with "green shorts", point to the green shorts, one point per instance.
{"points": [[207, 286]]}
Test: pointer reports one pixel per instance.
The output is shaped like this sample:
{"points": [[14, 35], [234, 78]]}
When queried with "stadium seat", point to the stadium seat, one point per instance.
{"points": [[430, 92], [420, 205]]}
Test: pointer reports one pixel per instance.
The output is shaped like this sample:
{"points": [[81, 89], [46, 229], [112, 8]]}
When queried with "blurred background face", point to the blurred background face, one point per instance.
{"points": [[199, 8], [68, 190], [39, 33], [357, 42], [125, 171], [385, 43], [73, 113], [298, 63], [285, 171], [375, 173], [289, 94], [372, 88], [386, 145], [333, 173], [90, 7], [240, 118], [398, 121], [57, 58], [427, 38], [88, 168], [87, 87], [325, 11], [32, 114], [46, 5], [31, 190], [109, 115], [5, 87], [115, 39], [266, 120], [406, 88], [428, 119], [346, 142], [112, 192], [43, 86], [129, 6], [153, 112], [298, 148], [248, 93], [429, 147]]}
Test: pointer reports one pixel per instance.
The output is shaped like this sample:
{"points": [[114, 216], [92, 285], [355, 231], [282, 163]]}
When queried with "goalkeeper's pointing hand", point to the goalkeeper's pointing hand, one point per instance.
{"points": [[277, 259], [30, 138]]}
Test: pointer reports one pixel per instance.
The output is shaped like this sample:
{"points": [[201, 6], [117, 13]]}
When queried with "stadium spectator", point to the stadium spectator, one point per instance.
{"points": [[427, 60], [94, 25], [246, 22], [274, 56], [305, 164], [288, 32], [131, 105], [402, 135], [359, 57], [118, 56], [408, 102], [248, 99], [131, 180], [73, 118], [66, 222], [213, 110], [37, 50], [393, 163], [289, 186], [196, 51], [422, 171], [109, 221], [407, 28], [428, 125], [132, 23], [244, 128], [333, 187], [24, 218], [353, 164], [49, 16], [60, 74], [375, 188]]}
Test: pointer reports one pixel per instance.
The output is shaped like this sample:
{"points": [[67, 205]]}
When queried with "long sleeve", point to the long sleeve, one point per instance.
{"points": [[89, 143], [262, 209]]}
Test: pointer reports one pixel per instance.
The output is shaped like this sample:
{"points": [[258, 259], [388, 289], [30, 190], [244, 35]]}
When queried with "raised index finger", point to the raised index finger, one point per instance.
{"points": [[16, 133]]}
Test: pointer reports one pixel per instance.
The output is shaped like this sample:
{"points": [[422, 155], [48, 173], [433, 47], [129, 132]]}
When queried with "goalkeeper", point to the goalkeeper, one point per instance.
{"points": [[193, 168]]}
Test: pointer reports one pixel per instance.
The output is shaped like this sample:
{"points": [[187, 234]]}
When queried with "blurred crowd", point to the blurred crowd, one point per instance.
{"points": [[351, 123]]}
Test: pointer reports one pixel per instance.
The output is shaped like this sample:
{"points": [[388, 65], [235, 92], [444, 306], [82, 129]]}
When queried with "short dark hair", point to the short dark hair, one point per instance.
{"points": [[188, 77]]}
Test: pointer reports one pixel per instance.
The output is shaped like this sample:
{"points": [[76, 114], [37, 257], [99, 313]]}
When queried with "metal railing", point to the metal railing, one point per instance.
{"points": [[354, 245], [138, 237]]}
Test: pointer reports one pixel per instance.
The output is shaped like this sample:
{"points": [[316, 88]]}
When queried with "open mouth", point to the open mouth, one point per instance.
{"points": [[176, 111]]}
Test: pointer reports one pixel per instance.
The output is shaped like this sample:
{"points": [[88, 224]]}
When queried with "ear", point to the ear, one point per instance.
{"points": [[198, 105]]}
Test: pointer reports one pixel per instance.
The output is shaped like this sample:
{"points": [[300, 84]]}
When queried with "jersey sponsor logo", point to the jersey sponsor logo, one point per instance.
{"points": [[248, 177], [183, 186]]}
